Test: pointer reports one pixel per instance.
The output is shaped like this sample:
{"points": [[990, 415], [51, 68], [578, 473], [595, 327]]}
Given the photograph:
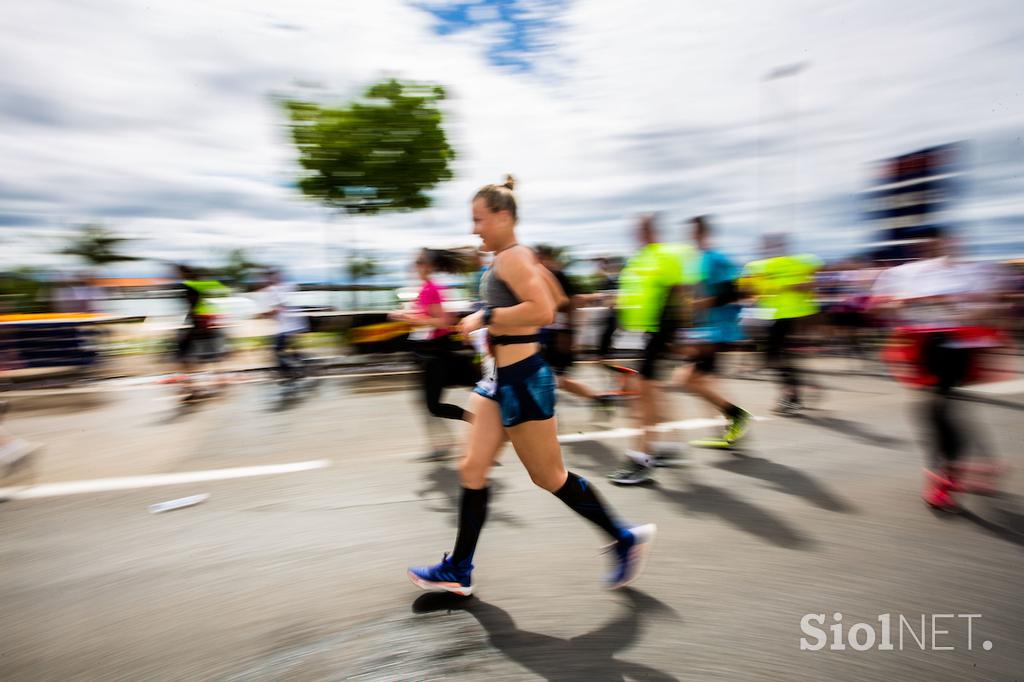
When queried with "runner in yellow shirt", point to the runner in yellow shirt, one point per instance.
{"points": [[652, 295], [783, 286]]}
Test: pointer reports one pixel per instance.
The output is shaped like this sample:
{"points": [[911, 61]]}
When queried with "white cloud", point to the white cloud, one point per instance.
{"points": [[158, 118]]}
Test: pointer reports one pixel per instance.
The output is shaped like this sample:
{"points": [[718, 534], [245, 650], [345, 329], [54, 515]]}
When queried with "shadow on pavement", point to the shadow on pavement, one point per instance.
{"points": [[705, 499], [986, 400], [179, 412], [601, 457], [442, 480], [699, 498], [786, 480], [854, 430], [55, 401], [588, 657], [286, 396], [1000, 515]]}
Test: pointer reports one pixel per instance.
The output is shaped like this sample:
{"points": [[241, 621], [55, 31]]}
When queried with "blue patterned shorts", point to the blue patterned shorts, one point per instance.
{"points": [[525, 391]]}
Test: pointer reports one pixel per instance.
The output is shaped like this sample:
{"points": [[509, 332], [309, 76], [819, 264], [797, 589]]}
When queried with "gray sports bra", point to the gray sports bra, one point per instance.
{"points": [[495, 292]]}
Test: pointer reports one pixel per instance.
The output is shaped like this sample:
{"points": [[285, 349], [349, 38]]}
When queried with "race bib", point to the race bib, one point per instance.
{"points": [[488, 368], [421, 334]]}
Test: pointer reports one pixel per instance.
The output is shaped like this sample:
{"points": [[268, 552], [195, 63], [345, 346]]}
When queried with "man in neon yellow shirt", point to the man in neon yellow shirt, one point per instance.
{"points": [[783, 285], [199, 339], [652, 292]]}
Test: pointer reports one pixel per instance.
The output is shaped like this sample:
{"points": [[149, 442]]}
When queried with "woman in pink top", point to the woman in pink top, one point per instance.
{"points": [[433, 343]]}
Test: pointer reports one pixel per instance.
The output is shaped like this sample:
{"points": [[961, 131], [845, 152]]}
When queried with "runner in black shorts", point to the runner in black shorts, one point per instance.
{"points": [[558, 338], [652, 292], [516, 401], [198, 339], [716, 322]]}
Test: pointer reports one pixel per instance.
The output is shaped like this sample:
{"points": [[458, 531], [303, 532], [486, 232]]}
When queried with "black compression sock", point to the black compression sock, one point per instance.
{"points": [[582, 499], [472, 514], [732, 411], [454, 412]]}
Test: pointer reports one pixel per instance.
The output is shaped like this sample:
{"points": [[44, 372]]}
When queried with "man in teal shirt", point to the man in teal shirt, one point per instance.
{"points": [[716, 323]]}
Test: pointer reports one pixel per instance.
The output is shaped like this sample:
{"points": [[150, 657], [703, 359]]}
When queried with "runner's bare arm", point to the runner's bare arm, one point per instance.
{"points": [[435, 317], [524, 275], [557, 293]]}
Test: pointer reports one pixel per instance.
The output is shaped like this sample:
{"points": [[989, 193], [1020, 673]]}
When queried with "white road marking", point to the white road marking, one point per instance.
{"points": [[101, 485], [684, 425], [155, 382], [999, 387]]}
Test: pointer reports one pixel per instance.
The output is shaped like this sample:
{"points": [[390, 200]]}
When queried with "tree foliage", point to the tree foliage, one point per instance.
{"points": [[361, 268], [96, 245], [381, 153], [24, 290], [239, 270]]}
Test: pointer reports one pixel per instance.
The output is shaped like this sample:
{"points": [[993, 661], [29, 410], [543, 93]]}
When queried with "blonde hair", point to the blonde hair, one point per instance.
{"points": [[499, 197]]}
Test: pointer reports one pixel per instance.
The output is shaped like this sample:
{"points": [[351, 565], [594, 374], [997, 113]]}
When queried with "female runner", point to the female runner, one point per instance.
{"points": [[516, 401], [434, 346]]}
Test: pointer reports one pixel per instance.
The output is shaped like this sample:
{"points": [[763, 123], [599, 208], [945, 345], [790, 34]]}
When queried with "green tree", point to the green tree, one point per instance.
{"points": [[239, 269], [360, 267], [379, 154], [24, 290], [96, 245]]}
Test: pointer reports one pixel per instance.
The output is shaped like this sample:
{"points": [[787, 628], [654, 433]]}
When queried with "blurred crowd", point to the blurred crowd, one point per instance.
{"points": [[931, 319]]}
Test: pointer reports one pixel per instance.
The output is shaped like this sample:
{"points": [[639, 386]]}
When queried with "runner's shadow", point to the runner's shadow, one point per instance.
{"points": [[705, 499], [443, 481], [1000, 515], [986, 400], [283, 396], [786, 480], [588, 657], [180, 412], [699, 498], [854, 430], [600, 456], [286, 400]]}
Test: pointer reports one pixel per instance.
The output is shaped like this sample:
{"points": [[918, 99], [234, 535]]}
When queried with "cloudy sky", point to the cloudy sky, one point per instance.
{"points": [[159, 120]]}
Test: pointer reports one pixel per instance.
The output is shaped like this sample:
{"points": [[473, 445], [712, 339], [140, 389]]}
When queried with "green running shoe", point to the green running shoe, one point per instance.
{"points": [[738, 426]]}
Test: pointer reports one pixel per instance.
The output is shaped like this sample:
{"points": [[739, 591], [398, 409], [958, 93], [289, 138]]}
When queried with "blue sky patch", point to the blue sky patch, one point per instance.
{"points": [[524, 28]]}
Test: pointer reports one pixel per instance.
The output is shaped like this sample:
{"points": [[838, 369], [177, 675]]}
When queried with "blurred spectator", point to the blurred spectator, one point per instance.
{"points": [[607, 286], [480, 266], [558, 339], [76, 295], [943, 311], [288, 324]]}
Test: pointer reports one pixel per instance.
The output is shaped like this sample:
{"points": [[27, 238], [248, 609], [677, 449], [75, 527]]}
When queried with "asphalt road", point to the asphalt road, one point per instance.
{"points": [[297, 572]]}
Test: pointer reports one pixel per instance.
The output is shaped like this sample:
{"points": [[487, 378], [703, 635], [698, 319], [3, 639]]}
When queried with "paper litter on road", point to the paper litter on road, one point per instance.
{"points": [[178, 503]]}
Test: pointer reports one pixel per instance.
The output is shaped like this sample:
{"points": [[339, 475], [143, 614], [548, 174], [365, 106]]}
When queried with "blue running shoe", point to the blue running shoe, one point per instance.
{"points": [[447, 576], [631, 555]]}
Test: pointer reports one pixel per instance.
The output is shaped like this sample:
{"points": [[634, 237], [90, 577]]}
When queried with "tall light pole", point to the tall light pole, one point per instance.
{"points": [[780, 73]]}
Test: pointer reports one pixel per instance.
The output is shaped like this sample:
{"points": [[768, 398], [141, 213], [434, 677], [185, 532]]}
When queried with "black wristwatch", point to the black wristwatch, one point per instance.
{"points": [[488, 314]]}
